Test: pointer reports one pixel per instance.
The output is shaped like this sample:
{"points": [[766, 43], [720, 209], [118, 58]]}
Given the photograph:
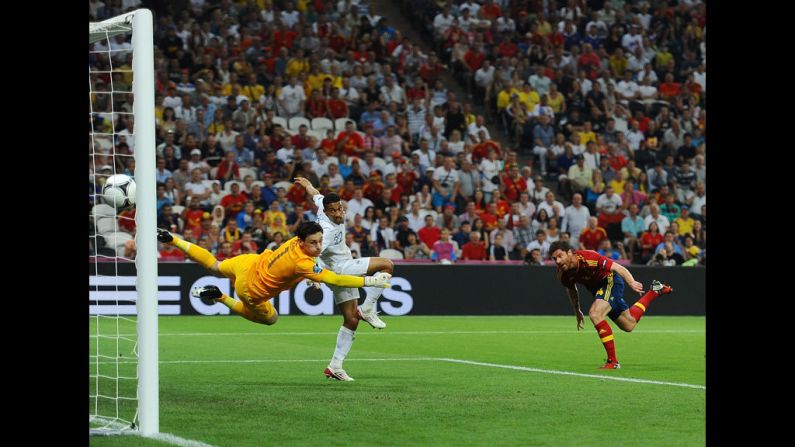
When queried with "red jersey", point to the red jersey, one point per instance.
{"points": [[373, 190], [429, 235], [590, 238], [337, 108], [470, 250], [296, 194], [481, 150], [336, 42], [346, 194], [329, 145], [193, 219], [592, 269], [513, 188], [395, 194], [300, 141], [406, 180], [233, 204], [670, 90], [350, 142]]}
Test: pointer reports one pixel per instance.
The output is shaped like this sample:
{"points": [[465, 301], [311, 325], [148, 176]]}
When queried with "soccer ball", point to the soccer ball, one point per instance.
{"points": [[119, 191]]}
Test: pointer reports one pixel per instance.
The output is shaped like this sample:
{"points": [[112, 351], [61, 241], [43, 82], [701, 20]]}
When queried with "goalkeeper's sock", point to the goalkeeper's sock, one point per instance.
{"points": [[345, 339], [639, 308], [606, 335], [373, 293], [195, 253]]}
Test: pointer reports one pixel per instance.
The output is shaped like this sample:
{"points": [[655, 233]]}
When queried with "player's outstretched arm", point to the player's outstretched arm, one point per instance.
{"points": [[380, 279], [628, 278], [311, 190], [574, 297]]}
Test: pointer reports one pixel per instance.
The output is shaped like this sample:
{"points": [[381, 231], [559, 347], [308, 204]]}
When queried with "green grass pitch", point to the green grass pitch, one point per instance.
{"points": [[227, 382]]}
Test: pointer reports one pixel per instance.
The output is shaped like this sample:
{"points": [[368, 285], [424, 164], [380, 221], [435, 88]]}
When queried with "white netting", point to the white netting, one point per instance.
{"points": [[113, 374]]}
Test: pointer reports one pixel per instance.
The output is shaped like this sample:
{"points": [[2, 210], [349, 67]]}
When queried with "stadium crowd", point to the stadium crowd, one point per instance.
{"points": [[603, 103]]}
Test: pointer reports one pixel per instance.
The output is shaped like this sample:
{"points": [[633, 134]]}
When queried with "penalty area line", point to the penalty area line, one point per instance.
{"points": [[384, 334], [433, 359], [569, 373]]}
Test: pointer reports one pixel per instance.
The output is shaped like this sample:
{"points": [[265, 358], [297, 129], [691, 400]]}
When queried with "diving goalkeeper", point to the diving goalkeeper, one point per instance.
{"points": [[259, 277]]}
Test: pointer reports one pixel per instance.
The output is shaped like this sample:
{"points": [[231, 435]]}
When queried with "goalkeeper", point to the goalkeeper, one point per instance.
{"points": [[259, 277]]}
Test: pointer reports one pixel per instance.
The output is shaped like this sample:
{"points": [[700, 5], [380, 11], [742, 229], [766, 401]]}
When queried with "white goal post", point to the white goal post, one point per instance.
{"points": [[145, 421]]}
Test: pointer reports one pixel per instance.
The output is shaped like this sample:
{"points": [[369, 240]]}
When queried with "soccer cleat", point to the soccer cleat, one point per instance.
{"points": [[610, 365], [337, 373], [207, 294], [164, 236], [371, 318], [660, 288]]}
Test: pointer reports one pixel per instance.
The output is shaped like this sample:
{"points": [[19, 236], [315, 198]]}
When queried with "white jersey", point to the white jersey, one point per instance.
{"points": [[334, 249]]}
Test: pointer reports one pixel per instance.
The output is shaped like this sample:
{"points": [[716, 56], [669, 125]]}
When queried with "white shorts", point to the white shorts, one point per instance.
{"points": [[354, 267]]}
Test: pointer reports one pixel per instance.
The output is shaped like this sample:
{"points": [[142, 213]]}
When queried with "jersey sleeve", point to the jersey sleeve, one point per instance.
{"points": [[318, 199], [605, 263], [597, 261], [307, 266]]}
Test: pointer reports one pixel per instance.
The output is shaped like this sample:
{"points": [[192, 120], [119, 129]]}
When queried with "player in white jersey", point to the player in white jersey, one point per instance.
{"points": [[337, 257]]}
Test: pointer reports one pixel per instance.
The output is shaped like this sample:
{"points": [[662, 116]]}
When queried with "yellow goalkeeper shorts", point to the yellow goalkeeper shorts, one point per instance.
{"points": [[237, 269]]}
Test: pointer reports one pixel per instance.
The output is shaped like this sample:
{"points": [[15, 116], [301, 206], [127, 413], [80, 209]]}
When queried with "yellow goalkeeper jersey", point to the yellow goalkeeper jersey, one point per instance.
{"points": [[275, 271]]}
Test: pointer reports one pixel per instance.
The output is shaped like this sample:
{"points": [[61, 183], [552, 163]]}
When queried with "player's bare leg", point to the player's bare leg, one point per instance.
{"points": [[598, 311], [345, 339], [367, 311]]}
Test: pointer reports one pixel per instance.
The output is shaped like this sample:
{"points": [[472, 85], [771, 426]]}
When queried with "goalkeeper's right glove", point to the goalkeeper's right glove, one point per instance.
{"points": [[380, 279]]}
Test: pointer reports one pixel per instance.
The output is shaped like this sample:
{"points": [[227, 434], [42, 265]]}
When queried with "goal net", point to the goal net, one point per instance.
{"points": [[123, 373]]}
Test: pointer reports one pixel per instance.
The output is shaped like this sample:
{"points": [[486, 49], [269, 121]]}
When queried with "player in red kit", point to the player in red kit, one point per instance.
{"points": [[605, 279]]}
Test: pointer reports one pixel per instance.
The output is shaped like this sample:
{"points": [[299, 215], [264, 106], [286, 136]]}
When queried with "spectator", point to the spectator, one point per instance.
{"points": [[592, 235], [475, 249], [382, 236], [632, 226], [540, 243], [606, 249], [430, 233], [534, 257], [497, 251], [655, 216], [443, 249], [416, 249], [649, 240], [670, 209]]}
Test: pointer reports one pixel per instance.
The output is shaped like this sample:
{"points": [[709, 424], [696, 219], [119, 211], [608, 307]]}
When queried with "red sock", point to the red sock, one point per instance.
{"points": [[606, 335], [638, 309]]}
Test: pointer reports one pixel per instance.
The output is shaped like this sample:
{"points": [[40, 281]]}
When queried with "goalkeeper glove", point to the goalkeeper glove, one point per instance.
{"points": [[310, 283], [380, 279]]}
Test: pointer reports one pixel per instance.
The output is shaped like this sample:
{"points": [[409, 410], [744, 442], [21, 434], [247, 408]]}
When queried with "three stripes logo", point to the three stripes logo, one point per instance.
{"points": [[116, 295]]}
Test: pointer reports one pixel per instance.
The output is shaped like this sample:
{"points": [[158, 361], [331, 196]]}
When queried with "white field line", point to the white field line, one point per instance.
{"points": [[179, 362], [176, 440], [165, 437], [448, 360], [384, 333], [569, 373]]}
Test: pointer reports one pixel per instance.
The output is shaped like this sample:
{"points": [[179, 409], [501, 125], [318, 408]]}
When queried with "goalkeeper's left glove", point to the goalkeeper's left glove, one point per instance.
{"points": [[380, 279]]}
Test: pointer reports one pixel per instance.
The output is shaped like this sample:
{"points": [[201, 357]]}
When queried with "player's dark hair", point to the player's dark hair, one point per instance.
{"points": [[307, 229], [330, 198], [559, 245]]}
